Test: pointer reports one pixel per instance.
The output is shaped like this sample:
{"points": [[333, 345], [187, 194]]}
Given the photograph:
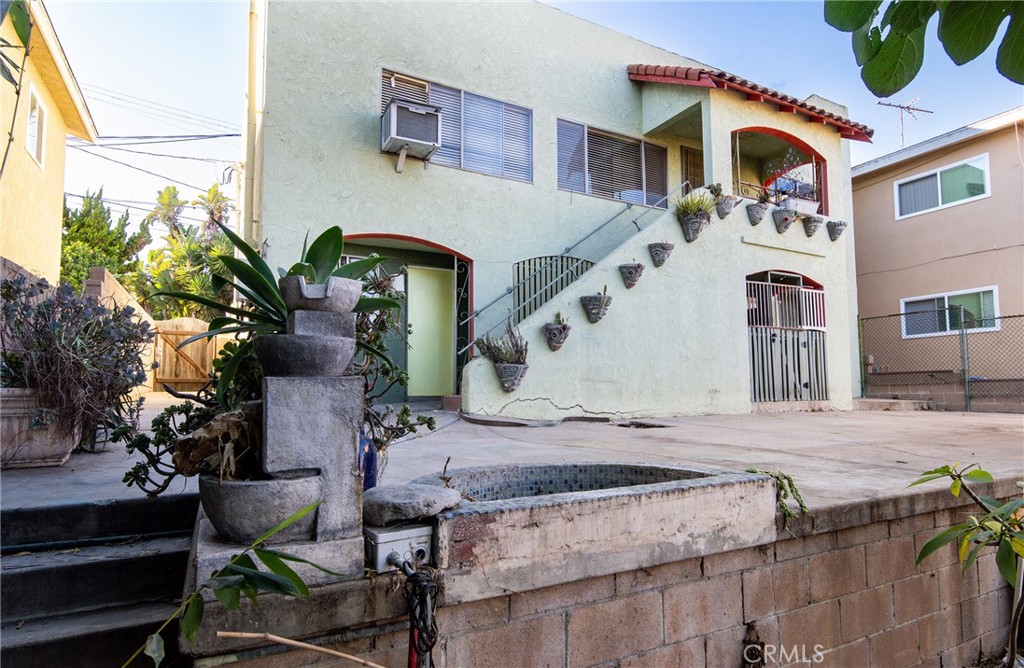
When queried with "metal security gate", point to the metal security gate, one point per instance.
{"points": [[786, 332]]}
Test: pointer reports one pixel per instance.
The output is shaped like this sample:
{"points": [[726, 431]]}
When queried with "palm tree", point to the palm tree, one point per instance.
{"points": [[168, 209], [217, 207]]}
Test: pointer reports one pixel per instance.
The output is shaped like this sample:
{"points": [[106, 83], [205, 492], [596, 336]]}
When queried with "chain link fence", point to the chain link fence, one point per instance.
{"points": [[950, 357]]}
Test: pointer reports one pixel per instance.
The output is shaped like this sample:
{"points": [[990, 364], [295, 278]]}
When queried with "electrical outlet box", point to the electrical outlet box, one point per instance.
{"points": [[412, 542]]}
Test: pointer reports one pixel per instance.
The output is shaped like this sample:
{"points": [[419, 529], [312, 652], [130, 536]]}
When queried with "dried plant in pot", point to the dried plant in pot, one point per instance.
{"points": [[757, 210], [555, 333], [694, 213], [596, 306], [508, 354], [723, 203]]}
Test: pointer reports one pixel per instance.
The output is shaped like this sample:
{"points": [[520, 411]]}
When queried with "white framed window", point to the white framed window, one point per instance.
{"points": [[478, 134], [35, 130], [958, 183], [932, 315], [605, 164]]}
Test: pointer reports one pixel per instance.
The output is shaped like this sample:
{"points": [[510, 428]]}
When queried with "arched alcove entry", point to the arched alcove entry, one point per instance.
{"points": [[438, 282], [787, 328], [781, 163]]}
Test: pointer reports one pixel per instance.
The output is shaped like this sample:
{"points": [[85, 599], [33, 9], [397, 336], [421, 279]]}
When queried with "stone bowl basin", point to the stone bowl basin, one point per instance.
{"points": [[536, 525]]}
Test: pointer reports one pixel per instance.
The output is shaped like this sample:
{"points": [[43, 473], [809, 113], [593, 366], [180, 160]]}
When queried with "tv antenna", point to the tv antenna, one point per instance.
{"points": [[910, 109]]}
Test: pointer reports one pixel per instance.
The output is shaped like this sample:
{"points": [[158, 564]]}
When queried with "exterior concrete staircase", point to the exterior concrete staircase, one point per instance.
{"points": [[84, 584]]}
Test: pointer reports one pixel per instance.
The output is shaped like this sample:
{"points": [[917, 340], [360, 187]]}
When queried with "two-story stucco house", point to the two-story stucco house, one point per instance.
{"points": [[561, 149], [49, 108], [940, 244]]}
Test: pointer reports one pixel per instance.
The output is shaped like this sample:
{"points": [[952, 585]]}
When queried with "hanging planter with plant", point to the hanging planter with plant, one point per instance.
{"points": [[660, 252], [596, 306], [836, 228], [757, 210], [631, 273], [555, 333], [812, 224], [694, 213], [723, 203], [508, 353], [783, 219]]}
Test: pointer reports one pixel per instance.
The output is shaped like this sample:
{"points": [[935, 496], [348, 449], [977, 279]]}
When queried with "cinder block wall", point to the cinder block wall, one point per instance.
{"points": [[855, 592]]}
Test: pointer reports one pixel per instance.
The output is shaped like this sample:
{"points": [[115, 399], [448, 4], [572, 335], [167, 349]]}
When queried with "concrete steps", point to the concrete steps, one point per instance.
{"points": [[84, 584]]}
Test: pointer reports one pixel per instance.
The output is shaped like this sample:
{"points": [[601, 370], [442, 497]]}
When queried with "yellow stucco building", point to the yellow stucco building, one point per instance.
{"points": [[48, 106]]}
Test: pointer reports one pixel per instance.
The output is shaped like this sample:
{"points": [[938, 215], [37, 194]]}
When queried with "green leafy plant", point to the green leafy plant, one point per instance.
{"points": [[695, 202], [715, 189], [763, 196], [891, 61], [511, 348], [82, 359], [241, 576], [784, 489], [1001, 527]]}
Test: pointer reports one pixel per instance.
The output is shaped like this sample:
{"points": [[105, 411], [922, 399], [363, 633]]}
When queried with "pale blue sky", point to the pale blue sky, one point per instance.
{"points": [[191, 56]]}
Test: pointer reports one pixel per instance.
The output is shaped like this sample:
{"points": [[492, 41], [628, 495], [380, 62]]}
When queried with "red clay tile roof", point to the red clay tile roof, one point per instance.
{"points": [[696, 76]]}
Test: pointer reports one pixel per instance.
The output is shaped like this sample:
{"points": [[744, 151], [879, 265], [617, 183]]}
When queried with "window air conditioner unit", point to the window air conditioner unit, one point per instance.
{"points": [[410, 128]]}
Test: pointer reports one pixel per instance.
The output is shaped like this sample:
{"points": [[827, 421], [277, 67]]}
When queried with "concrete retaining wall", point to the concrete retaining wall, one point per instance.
{"points": [[846, 592]]}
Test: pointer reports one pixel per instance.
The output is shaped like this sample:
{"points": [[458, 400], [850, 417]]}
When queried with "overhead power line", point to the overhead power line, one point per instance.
{"points": [[143, 101], [177, 137], [82, 144], [139, 169], [121, 203]]}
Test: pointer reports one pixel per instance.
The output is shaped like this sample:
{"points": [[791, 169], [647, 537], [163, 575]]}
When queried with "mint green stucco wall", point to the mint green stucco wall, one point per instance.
{"points": [[321, 165]]}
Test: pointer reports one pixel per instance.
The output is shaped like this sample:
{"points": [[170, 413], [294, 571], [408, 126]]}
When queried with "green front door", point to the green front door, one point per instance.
{"points": [[431, 331]]}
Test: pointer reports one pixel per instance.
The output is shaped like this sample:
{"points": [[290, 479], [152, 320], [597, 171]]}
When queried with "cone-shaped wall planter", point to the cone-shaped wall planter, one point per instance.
{"points": [[836, 228], [555, 334], [812, 224], [660, 252], [693, 224], [725, 204], [631, 273], [596, 306], [783, 219], [510, 375], [756, 211]]}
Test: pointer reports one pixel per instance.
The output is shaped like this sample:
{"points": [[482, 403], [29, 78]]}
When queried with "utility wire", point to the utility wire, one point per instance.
{"points": [[168, 120], [176, 137], [140, 169], [83, 144], [143, 101], [118, 204]]}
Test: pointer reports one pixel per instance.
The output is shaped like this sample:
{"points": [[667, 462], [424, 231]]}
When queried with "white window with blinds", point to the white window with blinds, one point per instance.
{"points": [[931, 315], [601, 163], [478, 133], [958, 183]]}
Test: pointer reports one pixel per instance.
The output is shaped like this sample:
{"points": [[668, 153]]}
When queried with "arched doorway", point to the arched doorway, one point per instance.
{"points": [[437, 282], [786, 327]]}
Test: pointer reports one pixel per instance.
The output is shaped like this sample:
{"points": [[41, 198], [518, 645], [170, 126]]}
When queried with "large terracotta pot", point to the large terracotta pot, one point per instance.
{"points": [[243, 510], [21, 446]]}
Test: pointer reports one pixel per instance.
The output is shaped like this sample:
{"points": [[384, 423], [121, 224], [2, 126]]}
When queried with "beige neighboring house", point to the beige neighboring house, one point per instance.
{"points": [[940, 243], [543, 152], [50, 107]]}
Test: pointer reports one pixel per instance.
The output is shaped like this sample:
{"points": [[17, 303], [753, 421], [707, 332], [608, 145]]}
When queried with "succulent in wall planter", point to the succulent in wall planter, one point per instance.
{"points": [[508, 353], [757, 210], [555, 333], [783, 218], [631, 273], [836, 228], [723, 203], [812, 224], [596, 306], [660, 252], [694, 213]]}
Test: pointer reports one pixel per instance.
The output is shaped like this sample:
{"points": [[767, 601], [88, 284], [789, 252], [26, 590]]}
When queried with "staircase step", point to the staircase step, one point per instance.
{"points": [[76, 524], [38, 584], [97, 639]]}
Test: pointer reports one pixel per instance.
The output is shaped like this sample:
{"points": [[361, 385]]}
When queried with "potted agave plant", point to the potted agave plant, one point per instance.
{"points": [[723, 203], [219, 438], [508, 353], [694, 213], [555, 333], [757, 210]]}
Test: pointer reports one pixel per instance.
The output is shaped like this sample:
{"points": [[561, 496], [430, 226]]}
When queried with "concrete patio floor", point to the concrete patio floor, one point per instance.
{"points": [[834, 457]]}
